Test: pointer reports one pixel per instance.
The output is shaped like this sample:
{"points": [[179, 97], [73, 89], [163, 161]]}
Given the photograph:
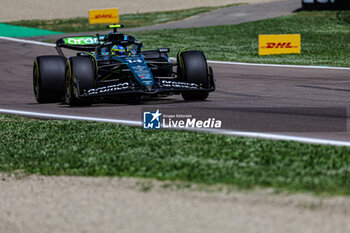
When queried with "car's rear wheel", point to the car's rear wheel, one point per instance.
{"points": [[80, 77], [193, 68], [49, 78]]}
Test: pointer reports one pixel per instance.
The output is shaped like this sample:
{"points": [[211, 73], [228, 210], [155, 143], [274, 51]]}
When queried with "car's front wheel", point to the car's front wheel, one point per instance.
{"points": [[193, 68]]}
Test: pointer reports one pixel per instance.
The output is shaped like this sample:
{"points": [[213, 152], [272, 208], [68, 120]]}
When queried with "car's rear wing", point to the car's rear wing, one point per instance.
{"points": [[93, 43], [80, 43]]}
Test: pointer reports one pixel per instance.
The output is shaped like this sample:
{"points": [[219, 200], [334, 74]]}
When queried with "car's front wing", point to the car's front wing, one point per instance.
{"points": [[163, 86]]}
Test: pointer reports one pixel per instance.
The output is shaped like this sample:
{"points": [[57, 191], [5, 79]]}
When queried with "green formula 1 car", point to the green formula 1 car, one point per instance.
{"points": [[113, 66]]}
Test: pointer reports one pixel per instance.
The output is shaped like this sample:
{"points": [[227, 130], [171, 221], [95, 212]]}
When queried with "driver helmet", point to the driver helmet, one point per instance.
{"points": [[118, 50]]}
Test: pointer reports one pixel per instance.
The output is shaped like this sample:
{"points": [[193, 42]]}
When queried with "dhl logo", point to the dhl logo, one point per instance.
{"points": [[105, 16], [286, 45], [279, 44]]}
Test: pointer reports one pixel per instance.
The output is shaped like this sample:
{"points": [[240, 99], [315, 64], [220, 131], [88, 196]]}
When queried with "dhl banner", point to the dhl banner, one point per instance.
{"points": [[104, 16], [279, 44]]}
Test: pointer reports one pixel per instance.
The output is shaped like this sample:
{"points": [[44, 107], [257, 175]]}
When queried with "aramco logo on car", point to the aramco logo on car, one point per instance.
{"points": [[157, 120]]}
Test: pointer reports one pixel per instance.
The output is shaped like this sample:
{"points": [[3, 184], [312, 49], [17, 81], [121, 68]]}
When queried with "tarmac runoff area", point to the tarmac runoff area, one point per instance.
{"points": [[55, 204]]}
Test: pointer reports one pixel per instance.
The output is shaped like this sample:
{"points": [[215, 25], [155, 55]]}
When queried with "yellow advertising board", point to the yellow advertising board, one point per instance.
{"points": [[104, 16], [279, 44]]}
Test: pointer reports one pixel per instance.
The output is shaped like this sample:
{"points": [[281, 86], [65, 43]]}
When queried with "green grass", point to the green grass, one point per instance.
{"points": [[325, 36], [101, 149], [325, 39], [129, 20]]}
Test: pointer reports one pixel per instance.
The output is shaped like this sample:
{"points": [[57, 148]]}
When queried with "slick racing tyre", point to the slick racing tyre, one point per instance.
{"points": [[49, 78], [193, 68], [80, 77]]}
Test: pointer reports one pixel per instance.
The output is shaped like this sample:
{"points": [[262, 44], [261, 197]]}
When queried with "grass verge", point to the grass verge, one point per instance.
{"points": [[129, 20], [325, 39], [101, 149]]}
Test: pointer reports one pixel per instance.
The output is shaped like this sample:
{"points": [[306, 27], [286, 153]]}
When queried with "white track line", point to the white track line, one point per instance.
{"points": [[277, 65], [215, 131], [212, 62], [69, 117], [275, 137], [27, 41]]}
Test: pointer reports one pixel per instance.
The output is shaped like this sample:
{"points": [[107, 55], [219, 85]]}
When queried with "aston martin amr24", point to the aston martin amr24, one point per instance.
{"points": [[114, 66]]}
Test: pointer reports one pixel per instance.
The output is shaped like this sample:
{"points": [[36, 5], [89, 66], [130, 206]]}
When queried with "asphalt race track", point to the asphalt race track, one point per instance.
{"points": [[284, 100]]}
